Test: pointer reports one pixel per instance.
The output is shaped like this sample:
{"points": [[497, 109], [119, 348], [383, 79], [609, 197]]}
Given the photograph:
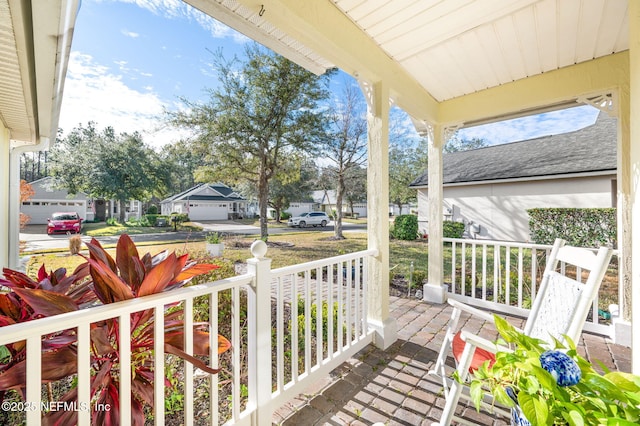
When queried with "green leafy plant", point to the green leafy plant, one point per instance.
{"points": [[543, 393], [102, 280], [213, 238], [452, 229], [405, 227], [580, 227]]}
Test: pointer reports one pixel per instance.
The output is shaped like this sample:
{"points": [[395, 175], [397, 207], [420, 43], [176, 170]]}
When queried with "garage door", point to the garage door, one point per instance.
{"points": [[40, 211], [208, 211]]}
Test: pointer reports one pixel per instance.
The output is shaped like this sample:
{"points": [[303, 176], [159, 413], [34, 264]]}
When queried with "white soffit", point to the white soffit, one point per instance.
{"points": [[456, 47], [15, 104]]}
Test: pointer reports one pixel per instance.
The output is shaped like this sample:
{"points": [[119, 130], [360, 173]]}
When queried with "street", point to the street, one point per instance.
{"points": [[36, 238]]}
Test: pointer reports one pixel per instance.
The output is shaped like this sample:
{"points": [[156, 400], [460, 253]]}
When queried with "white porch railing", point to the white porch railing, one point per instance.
{"points": [[288, 327], [504, 277]]}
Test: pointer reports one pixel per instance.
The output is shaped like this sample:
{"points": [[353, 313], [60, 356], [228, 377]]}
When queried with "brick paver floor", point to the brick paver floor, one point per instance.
{"points": [[393, 386]]}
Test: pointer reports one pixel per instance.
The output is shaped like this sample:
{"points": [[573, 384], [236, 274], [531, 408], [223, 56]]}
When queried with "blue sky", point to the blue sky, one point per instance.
{"points": [[132, 58]]}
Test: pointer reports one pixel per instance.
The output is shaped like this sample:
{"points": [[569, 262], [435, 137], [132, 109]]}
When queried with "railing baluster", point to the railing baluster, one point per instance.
{"points": [[484, 272], [84, 374], [507, 281], [496, 272], [534, 273], [330, 324], [473, 270], [520, 276], [307, 321], [295, 335], [280, 332], [125, 367], [348, 303], [453, 267], [340, 325], [463, 269], [213, 358], [34, 378], [235, 341], [158, 364], [319, 330], [188, 367]]}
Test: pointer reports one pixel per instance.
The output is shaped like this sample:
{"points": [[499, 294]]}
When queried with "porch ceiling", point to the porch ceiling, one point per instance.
{"points": [[34, 49], [432, 51]]}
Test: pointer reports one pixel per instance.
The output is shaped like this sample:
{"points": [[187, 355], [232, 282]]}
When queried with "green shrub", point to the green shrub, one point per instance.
{"points": [[112, 221], [579, 227], [153, 209], [452, 229], [179, 218], [405, 227], [285, 215], [418, 278], [151, 218]]}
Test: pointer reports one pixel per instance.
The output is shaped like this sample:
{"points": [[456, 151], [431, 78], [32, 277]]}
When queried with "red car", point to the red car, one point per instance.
{"points": [[64, 222]]}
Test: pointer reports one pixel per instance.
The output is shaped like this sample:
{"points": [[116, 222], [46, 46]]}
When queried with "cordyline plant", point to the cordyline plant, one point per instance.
{"points": [[101, 280]]}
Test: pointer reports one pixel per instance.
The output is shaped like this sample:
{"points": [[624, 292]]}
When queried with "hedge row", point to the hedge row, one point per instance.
{"points": [[579, 227]]}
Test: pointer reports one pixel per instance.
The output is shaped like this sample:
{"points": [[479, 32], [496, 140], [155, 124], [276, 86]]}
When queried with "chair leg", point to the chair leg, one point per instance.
{"points": [[453, 396]]}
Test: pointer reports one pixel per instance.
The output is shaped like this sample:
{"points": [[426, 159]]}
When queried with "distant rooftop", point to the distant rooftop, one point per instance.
{"points": [[588, 150]]}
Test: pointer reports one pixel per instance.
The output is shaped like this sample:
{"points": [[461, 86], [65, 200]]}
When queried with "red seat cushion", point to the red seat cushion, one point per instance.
{"points": [[479, 357]]}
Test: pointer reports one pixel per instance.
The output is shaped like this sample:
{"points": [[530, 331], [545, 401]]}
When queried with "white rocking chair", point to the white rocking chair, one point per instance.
{"points": [[552, 315]]}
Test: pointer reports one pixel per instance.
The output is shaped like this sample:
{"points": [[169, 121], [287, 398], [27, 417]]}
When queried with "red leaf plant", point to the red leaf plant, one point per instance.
{"points": [[102, 280]]}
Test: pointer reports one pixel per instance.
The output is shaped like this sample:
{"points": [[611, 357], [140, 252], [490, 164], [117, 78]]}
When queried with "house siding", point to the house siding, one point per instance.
{"points": [[500, 208]]}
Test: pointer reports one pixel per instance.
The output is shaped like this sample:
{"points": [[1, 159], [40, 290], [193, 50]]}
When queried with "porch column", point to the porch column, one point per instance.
{"points": [[5, 151], [377, 96], [634, 168], [434, 291]]}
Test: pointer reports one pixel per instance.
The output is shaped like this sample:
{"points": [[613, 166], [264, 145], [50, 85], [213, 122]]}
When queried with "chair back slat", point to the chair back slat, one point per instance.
{"points": [[562, 303]]}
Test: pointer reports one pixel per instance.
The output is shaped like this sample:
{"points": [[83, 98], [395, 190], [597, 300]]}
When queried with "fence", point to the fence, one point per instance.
{"points": [[288, 328], [504, 276]]}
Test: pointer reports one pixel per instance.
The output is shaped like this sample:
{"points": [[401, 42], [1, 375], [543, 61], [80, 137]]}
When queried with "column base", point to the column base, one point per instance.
{"points": [[385, 333], [434, 293]]}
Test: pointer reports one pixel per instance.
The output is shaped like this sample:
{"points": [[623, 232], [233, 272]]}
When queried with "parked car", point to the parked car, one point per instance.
{"points": [[64, 222], [309, 218]]}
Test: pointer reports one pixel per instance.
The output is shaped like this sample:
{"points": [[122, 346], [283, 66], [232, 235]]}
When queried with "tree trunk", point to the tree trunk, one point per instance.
{"points": [[337, 227], [263, 198], [122, 204]]}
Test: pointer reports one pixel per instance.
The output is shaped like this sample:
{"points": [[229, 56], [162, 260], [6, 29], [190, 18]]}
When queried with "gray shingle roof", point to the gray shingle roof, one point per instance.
{"points": [[588, 150]]}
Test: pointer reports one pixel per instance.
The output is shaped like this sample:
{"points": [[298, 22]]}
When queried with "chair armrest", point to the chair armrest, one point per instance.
{"points": [[476, 312], [471, 310], [482, 343]]}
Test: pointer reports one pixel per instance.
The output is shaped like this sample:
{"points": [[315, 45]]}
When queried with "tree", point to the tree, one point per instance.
{"points": [[264, 110], [405, 164], [455, 144], [26, 193], [294, 186], [106, 165], [346, 145], [182, 159], [356, 190]]}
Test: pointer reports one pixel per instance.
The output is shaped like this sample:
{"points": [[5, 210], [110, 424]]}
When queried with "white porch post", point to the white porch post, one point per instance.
{"points": [[5, 151], [377, 97], [434, 291], [634, 160], [259, 339]]}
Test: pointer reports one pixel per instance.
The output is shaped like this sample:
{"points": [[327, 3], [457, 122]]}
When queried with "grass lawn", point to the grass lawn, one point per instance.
{"points": [[307, 246], [101, 229]]}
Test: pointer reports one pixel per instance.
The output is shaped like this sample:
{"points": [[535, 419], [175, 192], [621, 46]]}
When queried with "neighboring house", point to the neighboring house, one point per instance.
{"points": [[490, 189], [207, 201], [47, 200]]}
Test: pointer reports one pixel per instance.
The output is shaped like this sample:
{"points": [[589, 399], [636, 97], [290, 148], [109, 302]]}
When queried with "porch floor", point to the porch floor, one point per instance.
{"points": [[393, 386]]}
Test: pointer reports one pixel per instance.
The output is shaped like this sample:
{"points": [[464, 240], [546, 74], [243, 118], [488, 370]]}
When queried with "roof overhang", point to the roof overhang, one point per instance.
{"points": [[36, 42], [445, 61]]}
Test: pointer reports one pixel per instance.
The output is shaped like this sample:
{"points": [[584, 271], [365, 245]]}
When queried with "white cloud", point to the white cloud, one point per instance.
{"points": [[130, 34], [177, 9], [551, 123], [93, 93]]}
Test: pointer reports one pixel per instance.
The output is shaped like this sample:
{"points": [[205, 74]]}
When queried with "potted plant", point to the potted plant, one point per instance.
{"points": [[215, 246], [557, 386]]}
